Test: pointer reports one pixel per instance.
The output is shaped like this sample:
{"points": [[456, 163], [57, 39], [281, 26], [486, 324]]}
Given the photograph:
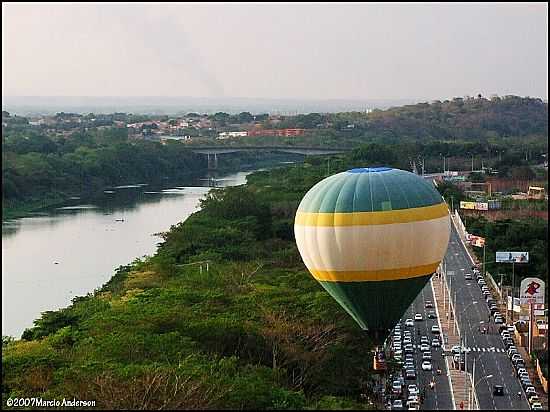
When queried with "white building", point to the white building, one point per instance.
{"points": [[228, 135]]}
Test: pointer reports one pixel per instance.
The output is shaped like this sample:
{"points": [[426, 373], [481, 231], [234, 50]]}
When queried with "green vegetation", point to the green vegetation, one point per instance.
{"points": [[37, 168], [254, 331], [529, 235]]}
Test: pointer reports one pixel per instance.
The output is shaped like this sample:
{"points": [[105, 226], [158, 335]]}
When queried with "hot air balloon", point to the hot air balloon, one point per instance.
{"points": [[372, 237]]}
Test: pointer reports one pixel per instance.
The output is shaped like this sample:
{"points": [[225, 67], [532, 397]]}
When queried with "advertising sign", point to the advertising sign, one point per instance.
{"points": [[482, 206], [531, 291], [517, 307], [512, 257], [477, 241], [467, 205]]}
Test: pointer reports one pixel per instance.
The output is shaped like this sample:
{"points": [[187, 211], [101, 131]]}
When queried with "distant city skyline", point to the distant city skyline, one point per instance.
{"points": [[314, 51]]}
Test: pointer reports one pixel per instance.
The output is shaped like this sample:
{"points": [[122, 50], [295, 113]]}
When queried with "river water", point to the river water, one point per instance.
{"points": [[73, 249]]}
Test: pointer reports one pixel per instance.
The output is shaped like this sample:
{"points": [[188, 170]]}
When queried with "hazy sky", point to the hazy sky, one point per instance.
{"points": [[308, 50]]}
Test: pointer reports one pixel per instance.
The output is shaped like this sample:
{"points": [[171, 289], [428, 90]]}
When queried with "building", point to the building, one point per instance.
{"points": [[229, 135], [277, 132]]}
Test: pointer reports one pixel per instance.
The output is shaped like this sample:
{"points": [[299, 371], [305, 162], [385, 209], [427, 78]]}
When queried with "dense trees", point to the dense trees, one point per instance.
{"points": [[34, 165]]}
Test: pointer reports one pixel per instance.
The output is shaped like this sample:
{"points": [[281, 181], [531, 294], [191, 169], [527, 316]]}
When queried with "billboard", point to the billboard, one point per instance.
{"points": [[477, 241], [531, 291], [467, 205], [512, 257], [482, 206]]}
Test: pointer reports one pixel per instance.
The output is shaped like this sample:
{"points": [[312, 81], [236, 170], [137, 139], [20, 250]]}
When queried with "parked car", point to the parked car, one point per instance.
{"points": [[396, 387], [424, 347], [410, 374], [426, 365], [397, 404], [536, 406], [499, 320], [418, 317], [429, 304], [533, 399], [409, 322], [413, 390], [424, 339], [432, 315], [435, 343], [530, 390], [435, 329], [426, 356], [468, 276]]}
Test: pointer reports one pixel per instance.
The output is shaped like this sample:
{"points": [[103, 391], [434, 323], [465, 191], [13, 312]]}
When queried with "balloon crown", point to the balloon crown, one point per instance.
{"points": [[369, 169]]}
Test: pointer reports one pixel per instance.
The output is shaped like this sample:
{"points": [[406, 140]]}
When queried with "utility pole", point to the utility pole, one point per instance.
{"points": [[472, 162]]}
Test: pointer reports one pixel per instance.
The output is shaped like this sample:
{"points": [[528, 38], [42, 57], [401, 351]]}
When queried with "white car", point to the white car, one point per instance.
{"points": [[536, 406], [407, 341], [397, 404], [435, 343], [456, 349], [413, 390], [435, 329], [418, 317], [409, 322], [426, 365], [424, 347]]}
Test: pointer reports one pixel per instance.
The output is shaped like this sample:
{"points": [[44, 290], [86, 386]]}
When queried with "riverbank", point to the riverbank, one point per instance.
{"points": [[15, 209], [253, 330]]}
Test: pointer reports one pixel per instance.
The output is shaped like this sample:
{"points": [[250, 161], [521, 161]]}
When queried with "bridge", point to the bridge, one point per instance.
{"points": [[213, 151]]}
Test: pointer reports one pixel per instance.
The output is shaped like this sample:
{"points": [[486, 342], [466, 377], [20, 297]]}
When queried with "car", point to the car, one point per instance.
{"points": [[536, 406], [408, 365], [526, 382], [410, 374], [498, 390], [435, 329], [432, 315], [468, 276], [426, 365], [530, 390], [533, 399], [456, 349], [499, 320], [505, 335], [413, 389], [435, 343], [523, 376], [418, 317], [516, 357], [511, 328], [409, 322], [424, 347], [428, 304], [424, 339], [508, 342], [397, 404], [520, 364], [512, 351], [409, 356], [407, 341], [426, 356], [493, 310], [396, 387], [409, 348], [396, 345], [521, 370]]}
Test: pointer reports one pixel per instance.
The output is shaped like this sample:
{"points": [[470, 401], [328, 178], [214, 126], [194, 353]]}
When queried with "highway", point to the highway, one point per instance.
{"points": [[440, 397], [470, 316]]}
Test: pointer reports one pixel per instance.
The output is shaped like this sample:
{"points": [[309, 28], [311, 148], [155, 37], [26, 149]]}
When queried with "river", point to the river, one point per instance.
{"points": [[73, 249]]}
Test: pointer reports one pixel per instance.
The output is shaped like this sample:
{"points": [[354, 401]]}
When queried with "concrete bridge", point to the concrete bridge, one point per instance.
{"points": [[213, 151]]}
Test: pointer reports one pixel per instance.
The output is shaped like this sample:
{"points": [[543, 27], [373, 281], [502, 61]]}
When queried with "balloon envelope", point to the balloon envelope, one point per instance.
{"points": [[373, 237]]}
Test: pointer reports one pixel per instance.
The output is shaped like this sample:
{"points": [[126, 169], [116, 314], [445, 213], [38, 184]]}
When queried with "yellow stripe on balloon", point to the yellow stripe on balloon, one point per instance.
{"points": [[372, 218], [375, 275]]}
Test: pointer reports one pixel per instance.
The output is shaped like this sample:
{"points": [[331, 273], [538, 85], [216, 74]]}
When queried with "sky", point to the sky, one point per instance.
{"points": [[275, 50]]}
